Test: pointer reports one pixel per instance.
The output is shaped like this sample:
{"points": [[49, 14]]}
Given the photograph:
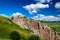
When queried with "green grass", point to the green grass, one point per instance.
{"points": [[7, 27], [53, 24], [4, 39]]}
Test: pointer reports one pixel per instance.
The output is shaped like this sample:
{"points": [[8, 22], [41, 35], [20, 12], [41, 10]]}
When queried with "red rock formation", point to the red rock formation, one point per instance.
{"points": [[46, 32]]}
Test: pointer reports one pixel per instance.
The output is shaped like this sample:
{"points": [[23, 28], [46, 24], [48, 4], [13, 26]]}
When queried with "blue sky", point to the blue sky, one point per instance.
{"points": [[32, 8]]}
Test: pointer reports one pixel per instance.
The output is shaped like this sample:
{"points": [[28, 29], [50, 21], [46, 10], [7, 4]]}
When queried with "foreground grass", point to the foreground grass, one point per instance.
{"points": [[4, 39], [7, 27]]}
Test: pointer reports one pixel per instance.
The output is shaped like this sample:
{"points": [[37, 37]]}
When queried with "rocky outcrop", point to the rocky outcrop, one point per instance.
{"points": [[34, 25], [48, 33]]}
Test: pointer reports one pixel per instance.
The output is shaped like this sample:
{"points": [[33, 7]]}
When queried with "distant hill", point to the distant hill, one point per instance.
{"points": [[53, 24], [50, 21]]}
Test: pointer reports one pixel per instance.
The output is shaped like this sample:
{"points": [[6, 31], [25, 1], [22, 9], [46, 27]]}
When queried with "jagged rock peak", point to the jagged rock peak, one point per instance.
{"points": [[18, 16], [34, 25]]}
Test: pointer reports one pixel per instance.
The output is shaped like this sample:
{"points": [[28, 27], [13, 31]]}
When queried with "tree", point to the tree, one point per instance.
{"points": [[15, 36], [34, 37]]}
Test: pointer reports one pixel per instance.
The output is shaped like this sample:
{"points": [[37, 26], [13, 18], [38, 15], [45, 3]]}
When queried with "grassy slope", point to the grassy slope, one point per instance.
{"points": [[55, 25], [7, 26]]}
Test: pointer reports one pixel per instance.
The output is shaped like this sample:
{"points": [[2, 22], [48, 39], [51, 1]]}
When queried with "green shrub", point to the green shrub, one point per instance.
{"points": [[34, 37], [15, 36]]}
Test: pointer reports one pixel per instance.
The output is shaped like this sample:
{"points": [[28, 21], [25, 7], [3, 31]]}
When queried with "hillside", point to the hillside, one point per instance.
{"points": [[38, 28], [7, 27], [53, 24], [26, 29]]}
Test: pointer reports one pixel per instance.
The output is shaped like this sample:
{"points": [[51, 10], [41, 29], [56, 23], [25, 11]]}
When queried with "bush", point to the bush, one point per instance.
{"points": [[15, 36], [34, 37]]}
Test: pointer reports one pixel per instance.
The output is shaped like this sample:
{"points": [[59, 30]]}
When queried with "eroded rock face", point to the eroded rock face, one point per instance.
{"points": [[42, 30], [48, 33]]}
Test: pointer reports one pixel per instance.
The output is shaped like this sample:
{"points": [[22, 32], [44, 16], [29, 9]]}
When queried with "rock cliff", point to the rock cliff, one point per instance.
{"points": [[34, 25]]}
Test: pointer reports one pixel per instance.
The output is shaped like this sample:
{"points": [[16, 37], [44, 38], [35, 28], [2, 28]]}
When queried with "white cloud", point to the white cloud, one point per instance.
{"points": [[57, 5], [46, 18], [17, 13], [33, 8], [43, 1]]}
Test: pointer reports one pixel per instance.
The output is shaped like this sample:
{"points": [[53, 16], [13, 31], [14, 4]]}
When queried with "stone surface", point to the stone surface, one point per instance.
{"points": [[34, 25]]}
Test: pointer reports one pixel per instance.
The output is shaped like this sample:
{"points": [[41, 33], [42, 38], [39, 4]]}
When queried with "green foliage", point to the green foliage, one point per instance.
{"points": [[7, 27], [34, 37], [11, 31], [15, 36]]}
